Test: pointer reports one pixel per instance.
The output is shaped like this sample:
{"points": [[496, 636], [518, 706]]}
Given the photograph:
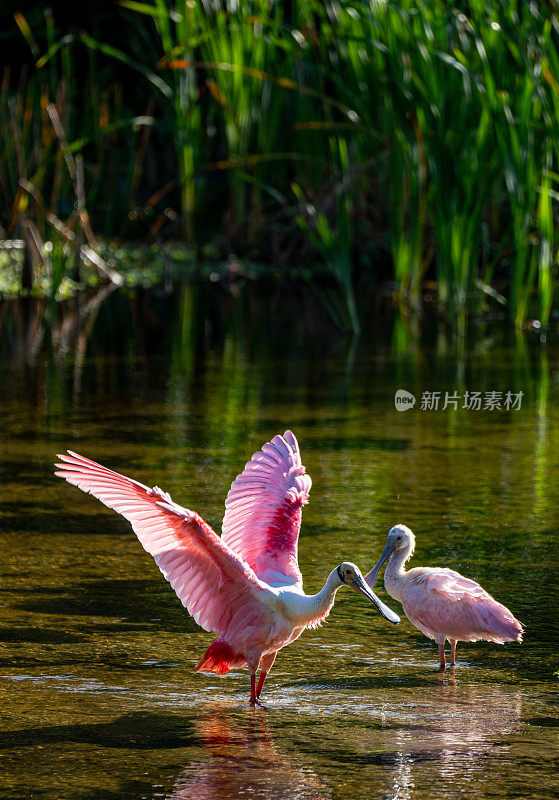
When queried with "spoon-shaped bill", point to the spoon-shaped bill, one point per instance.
{"points": [[371, 577], [359, 583]]}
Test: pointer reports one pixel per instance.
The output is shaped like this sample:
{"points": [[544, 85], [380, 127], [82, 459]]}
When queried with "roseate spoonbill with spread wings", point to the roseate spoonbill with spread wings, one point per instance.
{"points": [[245, 585], [440, 602]]}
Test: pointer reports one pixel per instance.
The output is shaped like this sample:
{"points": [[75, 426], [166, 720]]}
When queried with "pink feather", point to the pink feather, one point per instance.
{"points": [[246, 585], [263, 510], [215, 585], [441, 601]]}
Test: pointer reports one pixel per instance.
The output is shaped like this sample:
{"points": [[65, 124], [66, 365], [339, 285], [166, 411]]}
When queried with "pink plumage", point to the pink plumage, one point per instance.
{"points": [[442, 603], [264, 507], [245, 586], [220, 657], [217, 587]]}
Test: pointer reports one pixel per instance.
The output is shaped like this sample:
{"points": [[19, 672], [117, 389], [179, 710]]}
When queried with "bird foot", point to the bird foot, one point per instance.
{"points": [[254, 701]]}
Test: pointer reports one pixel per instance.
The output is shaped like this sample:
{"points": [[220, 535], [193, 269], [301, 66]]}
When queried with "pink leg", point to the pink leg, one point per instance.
{"points": [[253, 689], [266, 665], [254, 701], [261, 680], [253, 659], [452, 652], [442, 659]]}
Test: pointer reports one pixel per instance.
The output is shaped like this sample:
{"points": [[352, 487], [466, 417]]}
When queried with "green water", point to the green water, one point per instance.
{"points": [[98, 697]]}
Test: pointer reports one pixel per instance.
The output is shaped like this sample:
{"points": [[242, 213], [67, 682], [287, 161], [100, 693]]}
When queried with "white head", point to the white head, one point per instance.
{"points": [[349, 574], [400, 537], [347, 571], [400, 541]]}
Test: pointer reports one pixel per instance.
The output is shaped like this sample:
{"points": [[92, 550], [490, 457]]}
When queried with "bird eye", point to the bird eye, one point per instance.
{"points": [[348, 573], [398, 538]]}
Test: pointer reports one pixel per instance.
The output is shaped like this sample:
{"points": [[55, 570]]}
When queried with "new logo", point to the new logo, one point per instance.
{"points": [[404, 400]]}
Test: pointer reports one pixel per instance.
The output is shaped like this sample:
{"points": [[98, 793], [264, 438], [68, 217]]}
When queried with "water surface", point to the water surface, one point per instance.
{"points": [[96, 654]]}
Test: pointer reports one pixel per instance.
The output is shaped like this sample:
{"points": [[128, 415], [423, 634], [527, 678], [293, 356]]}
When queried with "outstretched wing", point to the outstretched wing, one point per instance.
{"points": [[263, 510], [215, 585]]}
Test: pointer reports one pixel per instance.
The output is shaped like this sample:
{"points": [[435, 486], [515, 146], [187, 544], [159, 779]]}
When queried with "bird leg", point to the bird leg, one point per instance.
{"points": [[452, 652], [261, 680], [442, 659], [254, 701], [253, 698], [253, 660], [266, 666]]}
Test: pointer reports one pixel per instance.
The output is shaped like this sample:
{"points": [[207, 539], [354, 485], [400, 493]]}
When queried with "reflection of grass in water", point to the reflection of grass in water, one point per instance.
{"points": [[541, 458], [469, 483]]}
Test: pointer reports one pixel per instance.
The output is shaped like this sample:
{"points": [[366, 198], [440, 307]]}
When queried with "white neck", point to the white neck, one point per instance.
{"points": [[304, 609], [394, 573]]}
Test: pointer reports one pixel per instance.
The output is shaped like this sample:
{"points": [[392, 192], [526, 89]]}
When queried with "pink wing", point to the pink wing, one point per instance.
{"points": [[263, 510], [217, 587], [441, 601]]}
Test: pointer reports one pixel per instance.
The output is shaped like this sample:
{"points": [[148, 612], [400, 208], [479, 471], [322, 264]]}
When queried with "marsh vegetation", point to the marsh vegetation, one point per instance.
{"points": [[408, 144]]}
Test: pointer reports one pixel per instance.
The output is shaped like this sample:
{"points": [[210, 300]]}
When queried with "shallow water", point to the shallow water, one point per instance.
{"points": [[98, 698]]}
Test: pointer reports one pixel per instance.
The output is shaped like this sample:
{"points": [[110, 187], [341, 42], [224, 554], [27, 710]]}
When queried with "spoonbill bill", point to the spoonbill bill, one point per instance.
{"points": [[440, 602], [245, 585]]}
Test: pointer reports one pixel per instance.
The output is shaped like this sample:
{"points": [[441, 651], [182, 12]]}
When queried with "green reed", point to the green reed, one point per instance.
{"points": [[418, 129], [333, 241], [470, 106], [235, 54], [46, 124], [173, 52]]}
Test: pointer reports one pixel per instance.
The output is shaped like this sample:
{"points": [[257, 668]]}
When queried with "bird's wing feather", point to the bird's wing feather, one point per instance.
{"points": [[263, 509], [442, 601], [216, 586]]}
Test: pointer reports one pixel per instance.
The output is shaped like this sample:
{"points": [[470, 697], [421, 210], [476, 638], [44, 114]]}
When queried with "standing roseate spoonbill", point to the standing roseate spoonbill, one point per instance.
{"points": [[245, 585], [440, 602]]}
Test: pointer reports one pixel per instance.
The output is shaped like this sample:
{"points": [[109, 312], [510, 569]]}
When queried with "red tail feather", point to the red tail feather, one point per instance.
{"points": [[220, 657]]}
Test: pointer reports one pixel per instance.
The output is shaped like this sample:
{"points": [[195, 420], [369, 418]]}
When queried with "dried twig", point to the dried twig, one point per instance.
{"points": [[87, 253]]}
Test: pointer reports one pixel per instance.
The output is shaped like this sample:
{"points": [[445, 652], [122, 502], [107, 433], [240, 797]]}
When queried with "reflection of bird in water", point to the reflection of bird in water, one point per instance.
{"points": [[440, 602], [243, 762], [451, 734], [246, 585]]}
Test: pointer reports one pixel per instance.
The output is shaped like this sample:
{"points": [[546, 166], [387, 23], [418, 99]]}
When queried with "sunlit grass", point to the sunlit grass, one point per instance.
{"points": [[440, 124]]}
